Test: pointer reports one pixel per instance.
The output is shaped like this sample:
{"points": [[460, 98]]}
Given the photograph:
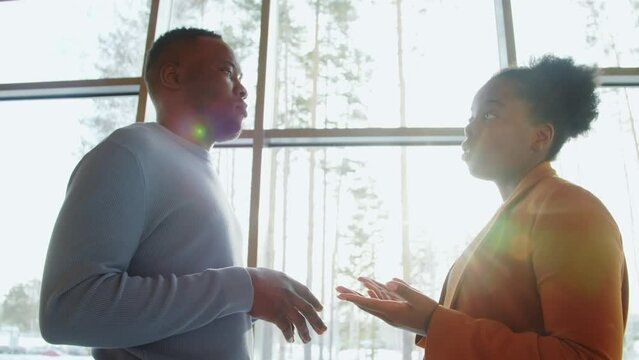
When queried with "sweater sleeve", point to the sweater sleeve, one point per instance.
{"points": [[580, 268], [88, 298]]}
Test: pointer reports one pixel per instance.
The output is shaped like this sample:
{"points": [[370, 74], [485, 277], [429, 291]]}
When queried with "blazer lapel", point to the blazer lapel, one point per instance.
{"points": [[456, 274], [457, 271]]}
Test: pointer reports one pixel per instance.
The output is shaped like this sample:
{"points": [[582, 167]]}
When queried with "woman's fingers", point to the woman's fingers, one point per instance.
{"points": [[378, 288], [345, 290], [408, 293]]}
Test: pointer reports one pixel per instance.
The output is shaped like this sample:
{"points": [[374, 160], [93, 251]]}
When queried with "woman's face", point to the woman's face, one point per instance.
{"points": [[500, 134]]}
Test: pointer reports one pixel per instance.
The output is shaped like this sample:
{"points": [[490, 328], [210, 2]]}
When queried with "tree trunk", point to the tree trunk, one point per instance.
{"points": [[323, 255], [331, 322], [285, 173], [407, 339], [267, 343], [267, 334], [311, 167]]}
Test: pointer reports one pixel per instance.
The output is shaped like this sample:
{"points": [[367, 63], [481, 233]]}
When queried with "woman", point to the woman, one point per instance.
{"points": [[546, 278]]}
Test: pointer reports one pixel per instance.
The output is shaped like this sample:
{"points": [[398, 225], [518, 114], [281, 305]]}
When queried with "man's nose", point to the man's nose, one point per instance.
{"points": [[240, 90]]}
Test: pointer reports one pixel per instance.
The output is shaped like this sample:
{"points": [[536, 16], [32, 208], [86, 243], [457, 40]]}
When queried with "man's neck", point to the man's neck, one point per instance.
{"points": [[188, 128]]}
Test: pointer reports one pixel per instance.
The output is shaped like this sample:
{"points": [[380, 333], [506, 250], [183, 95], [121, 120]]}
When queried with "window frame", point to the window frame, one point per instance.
{"points": [[260, 138]]}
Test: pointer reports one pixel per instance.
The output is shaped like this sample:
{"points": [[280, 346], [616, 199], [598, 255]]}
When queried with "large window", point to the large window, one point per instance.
{"points": [[350, 162], [72, 39], [337, 213], [41, 142], [598, 32], [363, 64]]}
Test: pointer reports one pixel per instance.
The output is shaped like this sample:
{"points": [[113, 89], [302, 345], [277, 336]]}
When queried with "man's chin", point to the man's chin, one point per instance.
{"points": [[227, 134]]}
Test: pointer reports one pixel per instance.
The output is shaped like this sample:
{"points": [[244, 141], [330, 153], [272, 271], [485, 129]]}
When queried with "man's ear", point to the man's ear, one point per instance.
{"points": [[544, 135], [169, 76]]}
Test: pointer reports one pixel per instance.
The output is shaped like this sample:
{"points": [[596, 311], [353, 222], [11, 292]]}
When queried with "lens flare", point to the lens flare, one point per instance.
{"points": [[199, 132]]}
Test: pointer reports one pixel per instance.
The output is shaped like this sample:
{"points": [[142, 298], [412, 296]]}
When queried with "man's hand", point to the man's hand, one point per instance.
{"points": [[285, 302], [397, 303]]}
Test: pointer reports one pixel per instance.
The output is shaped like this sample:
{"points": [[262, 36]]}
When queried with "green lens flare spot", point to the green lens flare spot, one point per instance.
{"points": [[199, 132]]}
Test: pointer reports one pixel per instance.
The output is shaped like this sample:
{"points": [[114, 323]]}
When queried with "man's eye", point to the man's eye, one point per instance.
{"points": [[227, 72]]}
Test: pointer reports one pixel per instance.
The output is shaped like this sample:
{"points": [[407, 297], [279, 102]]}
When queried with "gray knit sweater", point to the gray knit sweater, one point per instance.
{"points": [[143, 259]]}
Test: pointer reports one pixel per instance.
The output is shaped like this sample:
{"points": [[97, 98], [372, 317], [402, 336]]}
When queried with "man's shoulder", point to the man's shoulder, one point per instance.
{"points": [[138, 138], [135, 140], [135, 134]]}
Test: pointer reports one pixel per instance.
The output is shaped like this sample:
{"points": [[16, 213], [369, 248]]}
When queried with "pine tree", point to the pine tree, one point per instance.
{"points": [[20, 306], [360, 240]]}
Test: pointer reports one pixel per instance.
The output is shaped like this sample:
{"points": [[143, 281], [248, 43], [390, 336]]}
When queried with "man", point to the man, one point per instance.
{"points": [[141, 261]]}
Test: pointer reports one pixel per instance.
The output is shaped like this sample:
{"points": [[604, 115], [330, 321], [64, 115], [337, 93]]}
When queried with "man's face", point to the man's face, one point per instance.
{"points": [[212, 89]]}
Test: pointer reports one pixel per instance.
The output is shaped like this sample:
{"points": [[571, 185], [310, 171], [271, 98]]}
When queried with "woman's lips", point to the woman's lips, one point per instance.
{"points": [[466, 151]]}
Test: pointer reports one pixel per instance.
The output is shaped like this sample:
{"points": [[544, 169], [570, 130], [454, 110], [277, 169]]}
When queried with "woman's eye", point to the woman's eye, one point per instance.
{"points": [[489, 116]]}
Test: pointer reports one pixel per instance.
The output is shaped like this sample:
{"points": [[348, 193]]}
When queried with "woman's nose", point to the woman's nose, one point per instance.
{"points": [[469, 128]]}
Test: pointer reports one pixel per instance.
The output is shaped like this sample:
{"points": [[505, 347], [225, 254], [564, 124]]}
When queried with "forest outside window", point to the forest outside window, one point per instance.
{"points": [[325, 213]]}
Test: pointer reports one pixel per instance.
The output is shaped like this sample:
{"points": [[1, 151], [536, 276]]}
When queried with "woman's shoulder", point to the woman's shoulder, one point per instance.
{"points": [[558, 196], [558, 190]]}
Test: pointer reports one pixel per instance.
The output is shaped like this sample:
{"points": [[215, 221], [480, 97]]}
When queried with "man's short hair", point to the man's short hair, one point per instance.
{"points": [[169, 38]]}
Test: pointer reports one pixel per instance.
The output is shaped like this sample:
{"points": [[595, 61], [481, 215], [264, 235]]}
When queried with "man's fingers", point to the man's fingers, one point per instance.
{"points": [[308, 296], [300, 324], [310, 314], [287, 329]]}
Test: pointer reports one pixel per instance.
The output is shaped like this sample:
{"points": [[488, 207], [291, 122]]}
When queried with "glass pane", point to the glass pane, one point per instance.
{"points": [[234, 167], [354, 227], [606, 162], [602, 32], [237, 21], [337, 63], [41, 142], [71, 39]]}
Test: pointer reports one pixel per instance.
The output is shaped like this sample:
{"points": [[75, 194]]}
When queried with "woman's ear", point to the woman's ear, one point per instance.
{"points": [[544, 135]]}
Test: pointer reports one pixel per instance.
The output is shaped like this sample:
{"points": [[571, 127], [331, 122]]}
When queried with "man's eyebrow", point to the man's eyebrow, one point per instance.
{"points": [[233, 65], [229, 63]]}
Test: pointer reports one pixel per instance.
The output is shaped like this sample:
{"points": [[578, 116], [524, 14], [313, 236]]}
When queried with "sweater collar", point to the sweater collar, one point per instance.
{"points": [[196, 150]]}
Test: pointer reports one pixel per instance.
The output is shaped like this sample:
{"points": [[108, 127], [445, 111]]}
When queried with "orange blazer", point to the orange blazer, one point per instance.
{"points": [[545, 279]]}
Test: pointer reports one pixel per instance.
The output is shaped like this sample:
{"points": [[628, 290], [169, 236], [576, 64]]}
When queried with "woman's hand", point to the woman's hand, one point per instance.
{"points": [[397, 303]]}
